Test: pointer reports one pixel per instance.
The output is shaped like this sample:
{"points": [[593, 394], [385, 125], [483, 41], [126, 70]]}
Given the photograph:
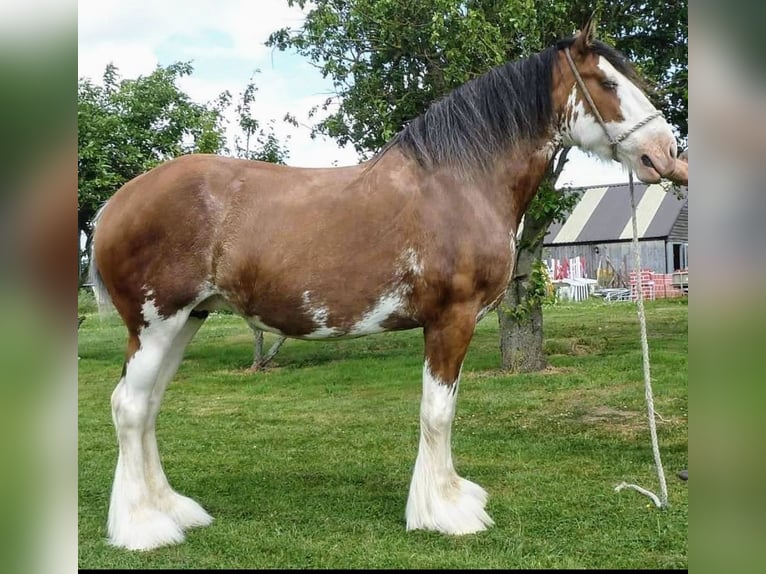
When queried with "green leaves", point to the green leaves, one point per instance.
{"points": [[256, 142], [390, 59]]}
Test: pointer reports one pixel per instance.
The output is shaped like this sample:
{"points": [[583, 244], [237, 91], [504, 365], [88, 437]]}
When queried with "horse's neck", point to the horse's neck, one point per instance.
{"points": [[508, 186], [514, 181]]}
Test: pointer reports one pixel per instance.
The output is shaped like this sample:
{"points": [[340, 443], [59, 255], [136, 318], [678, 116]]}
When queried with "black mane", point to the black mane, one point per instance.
{"points": [[475, 122]]}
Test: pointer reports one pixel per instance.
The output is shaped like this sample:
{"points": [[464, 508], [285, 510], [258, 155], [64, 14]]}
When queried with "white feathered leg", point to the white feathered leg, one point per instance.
{"points": [[183, 510], [135, 521], [439, 499]]}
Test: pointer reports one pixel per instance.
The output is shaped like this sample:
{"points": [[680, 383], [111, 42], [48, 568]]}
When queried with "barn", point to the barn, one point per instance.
{"points": [[599, 230]]}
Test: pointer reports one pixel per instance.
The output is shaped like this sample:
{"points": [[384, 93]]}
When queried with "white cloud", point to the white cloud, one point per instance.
{"points": [[131, 34], [111, 28], [132, 59]]}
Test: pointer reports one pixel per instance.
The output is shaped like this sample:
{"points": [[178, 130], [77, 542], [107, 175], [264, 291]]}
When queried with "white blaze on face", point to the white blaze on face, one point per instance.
{"points": [[581, 128], [635, 108]]}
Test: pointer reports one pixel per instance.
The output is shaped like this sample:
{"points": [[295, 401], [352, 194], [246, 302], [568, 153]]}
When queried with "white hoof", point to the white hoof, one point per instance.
{"points": [[184, 511], [145, 529], [457, 509]]}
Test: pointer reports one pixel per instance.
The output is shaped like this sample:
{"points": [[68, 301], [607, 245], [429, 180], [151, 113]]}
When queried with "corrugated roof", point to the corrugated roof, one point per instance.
{"points": [[603, 214]]}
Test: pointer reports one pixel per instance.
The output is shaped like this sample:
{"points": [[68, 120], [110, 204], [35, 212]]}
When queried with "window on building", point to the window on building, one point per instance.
{"points": [[680, 256]]}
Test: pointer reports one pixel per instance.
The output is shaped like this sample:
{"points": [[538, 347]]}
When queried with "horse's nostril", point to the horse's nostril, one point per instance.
{"points": [[646, 161]]}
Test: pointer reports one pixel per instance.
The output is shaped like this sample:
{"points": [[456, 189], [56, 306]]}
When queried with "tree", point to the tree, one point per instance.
{"points": [[125, 127], [389, 59]]}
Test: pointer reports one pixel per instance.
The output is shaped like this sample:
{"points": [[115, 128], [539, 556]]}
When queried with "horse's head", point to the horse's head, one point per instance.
{"points": [[604, 111]]}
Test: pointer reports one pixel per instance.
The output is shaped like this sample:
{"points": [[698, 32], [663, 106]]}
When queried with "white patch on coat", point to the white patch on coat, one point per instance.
{"points": [[319, 315], [394, 301], [372, 321], [150, 313], [439, 499], [391, 302], [581, 129], [414, 264]]}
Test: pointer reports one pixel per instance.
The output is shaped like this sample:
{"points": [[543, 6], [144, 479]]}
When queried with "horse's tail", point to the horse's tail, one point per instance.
{"points": [[103, 300]]}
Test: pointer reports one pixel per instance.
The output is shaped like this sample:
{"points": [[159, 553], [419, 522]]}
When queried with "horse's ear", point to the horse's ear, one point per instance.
{"points": [[585, 36]]}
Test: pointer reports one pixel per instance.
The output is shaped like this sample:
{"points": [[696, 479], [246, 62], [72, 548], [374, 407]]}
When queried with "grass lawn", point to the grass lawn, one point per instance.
{"points": [[308, 465]]}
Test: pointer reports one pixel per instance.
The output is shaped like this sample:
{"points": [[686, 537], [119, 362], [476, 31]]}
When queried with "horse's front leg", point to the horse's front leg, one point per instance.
{"points": [[439, 499]]}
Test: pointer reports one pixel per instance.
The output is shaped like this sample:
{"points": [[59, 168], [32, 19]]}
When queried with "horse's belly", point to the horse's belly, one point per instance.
{"points": [[315, 318], [389, 312]]}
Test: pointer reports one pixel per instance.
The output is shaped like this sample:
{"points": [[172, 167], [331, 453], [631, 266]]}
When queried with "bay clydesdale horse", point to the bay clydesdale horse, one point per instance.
{"points": [[421, 236]]}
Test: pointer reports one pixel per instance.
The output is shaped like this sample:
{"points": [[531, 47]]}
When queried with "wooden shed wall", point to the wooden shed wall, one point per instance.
{"points": [[653, 255], [680, 230]]}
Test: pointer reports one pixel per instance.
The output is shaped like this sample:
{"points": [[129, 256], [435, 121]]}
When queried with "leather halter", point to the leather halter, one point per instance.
{"points": [[614, 141]]}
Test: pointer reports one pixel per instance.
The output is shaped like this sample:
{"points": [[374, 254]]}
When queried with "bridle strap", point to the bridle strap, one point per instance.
{"points": [[614, 141]]}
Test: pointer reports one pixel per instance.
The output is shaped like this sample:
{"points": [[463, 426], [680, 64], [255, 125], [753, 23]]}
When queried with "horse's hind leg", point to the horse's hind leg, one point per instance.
{"points": [[135, 521], [439, 499], [183, 510]]}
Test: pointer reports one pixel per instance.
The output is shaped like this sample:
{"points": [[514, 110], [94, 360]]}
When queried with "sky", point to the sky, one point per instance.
{"points": [[225, 41]]}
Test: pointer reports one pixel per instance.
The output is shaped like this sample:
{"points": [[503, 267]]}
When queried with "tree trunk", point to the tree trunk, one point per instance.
{"points": [[521, 317], [261, 360], [521, 314], [257, 348]]}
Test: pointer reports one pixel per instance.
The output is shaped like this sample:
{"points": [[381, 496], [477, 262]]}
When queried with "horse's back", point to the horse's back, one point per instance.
{"points": [[269, 240]]}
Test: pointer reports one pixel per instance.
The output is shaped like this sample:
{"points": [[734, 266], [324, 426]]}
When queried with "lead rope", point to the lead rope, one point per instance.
{"points": [[662, 500]]}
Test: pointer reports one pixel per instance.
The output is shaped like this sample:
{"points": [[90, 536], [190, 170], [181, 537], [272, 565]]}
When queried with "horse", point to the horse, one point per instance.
{"points": [[420, 236]]}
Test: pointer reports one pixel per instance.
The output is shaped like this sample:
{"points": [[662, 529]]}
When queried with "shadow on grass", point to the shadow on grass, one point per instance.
{"points": [[304, 495], [315, 354]]}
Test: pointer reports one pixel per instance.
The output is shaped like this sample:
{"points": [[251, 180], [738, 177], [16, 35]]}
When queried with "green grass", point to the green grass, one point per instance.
{"points": [[308, 465]]}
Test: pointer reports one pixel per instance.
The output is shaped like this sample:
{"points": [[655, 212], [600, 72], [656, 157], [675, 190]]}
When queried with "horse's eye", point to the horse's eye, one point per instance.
{"points": [[609, 85]]}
